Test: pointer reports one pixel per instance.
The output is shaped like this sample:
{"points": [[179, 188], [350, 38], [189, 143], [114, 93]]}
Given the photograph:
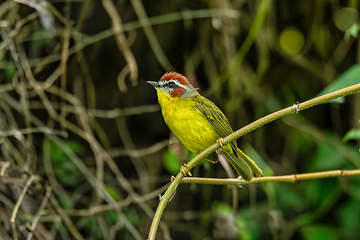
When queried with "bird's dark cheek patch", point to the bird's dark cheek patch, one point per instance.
{"points": [[177, 92]]}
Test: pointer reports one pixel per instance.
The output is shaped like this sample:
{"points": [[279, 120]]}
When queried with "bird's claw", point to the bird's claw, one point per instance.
{"points": [[221, 142], [186, 173]]}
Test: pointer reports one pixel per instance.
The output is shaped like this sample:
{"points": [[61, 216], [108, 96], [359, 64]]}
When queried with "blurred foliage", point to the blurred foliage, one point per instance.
{"points": [[82, 150], [349, 78], [171, 162]]}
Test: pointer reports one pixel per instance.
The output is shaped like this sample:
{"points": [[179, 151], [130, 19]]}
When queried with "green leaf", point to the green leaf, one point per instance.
{"points": [[256, 157], [133, 216], [349, 221], [348, 78], [112, 216], [57, 154], [223, 209], [353, 134], [65, 201], [68, 174], [171, 162], [319, 191], [319, 232], [326, 158], [248, 227], [113, 193], [290, 199], [351, 32], [10, 71], [92, 225]]}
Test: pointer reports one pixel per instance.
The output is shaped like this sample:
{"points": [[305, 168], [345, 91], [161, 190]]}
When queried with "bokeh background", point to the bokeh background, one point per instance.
{"points": [[85, 153]]}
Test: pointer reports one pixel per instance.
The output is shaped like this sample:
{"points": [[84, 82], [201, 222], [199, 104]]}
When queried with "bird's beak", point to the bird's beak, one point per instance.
{"points": [[153, 83]]}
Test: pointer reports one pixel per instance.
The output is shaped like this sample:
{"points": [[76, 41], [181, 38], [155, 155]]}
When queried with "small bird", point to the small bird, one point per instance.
{"points": [[198, 123]]}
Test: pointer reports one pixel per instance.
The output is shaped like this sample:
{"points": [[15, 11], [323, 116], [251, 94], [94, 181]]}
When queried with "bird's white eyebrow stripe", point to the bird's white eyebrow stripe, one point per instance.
{"points": [[162, 83]]}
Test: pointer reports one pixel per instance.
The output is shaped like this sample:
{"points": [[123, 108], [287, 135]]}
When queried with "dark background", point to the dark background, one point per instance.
{"points": [[90, 136]]}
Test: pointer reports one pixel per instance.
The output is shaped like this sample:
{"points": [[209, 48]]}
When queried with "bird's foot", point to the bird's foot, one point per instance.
{"points": [[221, 142], [186, 173]]}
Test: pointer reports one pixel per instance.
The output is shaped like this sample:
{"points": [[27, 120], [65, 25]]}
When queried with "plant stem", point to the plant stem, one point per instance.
{"points": [[286, 178]]}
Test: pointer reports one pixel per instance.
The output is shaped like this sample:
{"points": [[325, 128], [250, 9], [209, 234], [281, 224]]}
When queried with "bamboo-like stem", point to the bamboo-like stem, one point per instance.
{"points": [[239, 133], [286, 178]]}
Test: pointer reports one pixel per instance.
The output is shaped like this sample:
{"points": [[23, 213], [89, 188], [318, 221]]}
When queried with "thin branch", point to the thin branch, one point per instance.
{"points": [[24, 131], [131, 68], [246, 45], [67, 221], [31, 179], [239, 133], [150, 34], [286, 178], [116, 205], [139, 152], [39, 212], [152, 21]]}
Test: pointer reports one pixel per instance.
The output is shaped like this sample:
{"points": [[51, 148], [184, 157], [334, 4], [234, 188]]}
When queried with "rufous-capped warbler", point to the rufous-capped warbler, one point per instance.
{"points": [[198, 123]]}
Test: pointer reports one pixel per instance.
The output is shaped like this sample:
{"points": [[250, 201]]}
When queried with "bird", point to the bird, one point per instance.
{"points": [[198, 123]]}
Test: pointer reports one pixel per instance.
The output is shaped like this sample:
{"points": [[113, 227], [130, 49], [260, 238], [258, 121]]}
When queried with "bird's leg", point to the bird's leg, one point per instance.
{"points": [[221, 142], [188, 173]]}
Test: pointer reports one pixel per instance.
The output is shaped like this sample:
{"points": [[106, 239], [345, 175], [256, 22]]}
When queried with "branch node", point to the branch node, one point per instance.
{"points": [[296, 107], [240, 182], [172, 178]]}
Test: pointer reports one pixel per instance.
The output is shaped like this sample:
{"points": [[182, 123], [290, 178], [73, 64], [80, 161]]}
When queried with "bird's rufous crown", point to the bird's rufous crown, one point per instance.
{"points": [[175, 76]]}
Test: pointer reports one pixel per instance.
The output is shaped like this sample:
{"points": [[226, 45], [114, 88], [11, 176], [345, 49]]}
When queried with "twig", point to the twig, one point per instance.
{"points": [[239, 133], [139, 152], [63, 68], [97, 148], [150, 34], [131, 68], [31, 179], [286, 178], [248, 42], [157, 20], [116, 205], [75, 233], [24, 131], [4, 166], [39, 212], [102, 113]]}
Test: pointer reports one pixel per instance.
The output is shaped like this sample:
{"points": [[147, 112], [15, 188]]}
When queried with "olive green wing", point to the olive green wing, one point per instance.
{"points": [[216, 118]]}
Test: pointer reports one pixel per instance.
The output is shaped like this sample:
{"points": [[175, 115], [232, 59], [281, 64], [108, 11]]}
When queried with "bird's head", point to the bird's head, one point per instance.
{"points": [[175, 85]]}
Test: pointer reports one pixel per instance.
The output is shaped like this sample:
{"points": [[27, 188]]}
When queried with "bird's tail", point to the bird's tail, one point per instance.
{"points": [[254, 168], [243, 165]]}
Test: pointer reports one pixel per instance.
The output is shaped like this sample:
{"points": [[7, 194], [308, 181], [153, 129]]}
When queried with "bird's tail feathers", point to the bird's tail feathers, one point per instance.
{"points": [[255, 169], [240, 166]]}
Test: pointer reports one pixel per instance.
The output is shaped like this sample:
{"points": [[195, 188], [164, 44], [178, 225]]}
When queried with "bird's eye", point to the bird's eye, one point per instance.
{"points": [[171, 85]]}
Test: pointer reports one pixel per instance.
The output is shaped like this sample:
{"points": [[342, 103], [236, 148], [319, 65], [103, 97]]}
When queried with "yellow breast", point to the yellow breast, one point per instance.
{"points": [[188, 125]]}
